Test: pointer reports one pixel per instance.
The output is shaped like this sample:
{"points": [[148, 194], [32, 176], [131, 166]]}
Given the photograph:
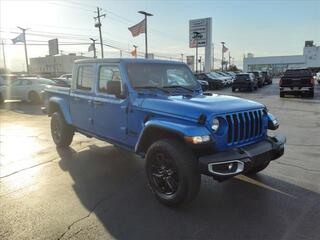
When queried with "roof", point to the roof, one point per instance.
{"points": [[126, 60]]}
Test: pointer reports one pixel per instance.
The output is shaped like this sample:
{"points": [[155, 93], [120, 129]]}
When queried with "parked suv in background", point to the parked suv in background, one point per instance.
{"points": [[245, 81], [182, 133], [297, 81], [214, 83], [267, 77], [259, 77]]}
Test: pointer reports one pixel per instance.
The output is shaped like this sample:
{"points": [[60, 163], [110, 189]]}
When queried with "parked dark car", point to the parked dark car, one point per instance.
{"points": [[245, 81], [214, 83], [259, 77], [204, 85], [267, 77], [297, 81]]}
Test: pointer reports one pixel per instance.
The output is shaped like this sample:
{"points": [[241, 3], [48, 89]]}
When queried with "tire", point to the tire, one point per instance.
{"points": [[258, 168], [282, 94], [251, 88], [233, 89], [172, 172], [34, 97], [311, 94], [61, 132]]}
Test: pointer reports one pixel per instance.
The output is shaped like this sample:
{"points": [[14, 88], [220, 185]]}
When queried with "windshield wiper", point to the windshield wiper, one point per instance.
{"points": [[178, 86], [152, 87]]}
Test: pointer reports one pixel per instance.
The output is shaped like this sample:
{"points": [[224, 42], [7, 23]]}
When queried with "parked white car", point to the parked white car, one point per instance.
{"points": [[25, 89]]}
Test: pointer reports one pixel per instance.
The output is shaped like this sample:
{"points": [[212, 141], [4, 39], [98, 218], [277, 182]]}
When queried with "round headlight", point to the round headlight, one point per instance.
{"points": [[215, 124]]}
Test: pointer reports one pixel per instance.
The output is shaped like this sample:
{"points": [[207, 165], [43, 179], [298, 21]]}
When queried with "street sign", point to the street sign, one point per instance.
{"points": [[203, 28], [53, 47]]}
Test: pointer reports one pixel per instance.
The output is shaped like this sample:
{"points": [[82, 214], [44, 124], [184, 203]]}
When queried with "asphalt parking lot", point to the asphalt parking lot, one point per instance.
{"points": [[96, 191]]}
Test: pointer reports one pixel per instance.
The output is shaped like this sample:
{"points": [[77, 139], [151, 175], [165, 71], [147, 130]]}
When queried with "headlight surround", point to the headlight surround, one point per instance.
{"points": [[215, 124]]}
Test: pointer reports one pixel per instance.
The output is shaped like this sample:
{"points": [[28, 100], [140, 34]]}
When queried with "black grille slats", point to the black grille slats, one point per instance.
{"points": [[244, 126]]}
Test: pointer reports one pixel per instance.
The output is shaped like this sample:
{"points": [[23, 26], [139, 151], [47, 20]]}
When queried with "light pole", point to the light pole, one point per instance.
{"points": [[135, 51], [146, 15], [222, 60], [94, 47]]}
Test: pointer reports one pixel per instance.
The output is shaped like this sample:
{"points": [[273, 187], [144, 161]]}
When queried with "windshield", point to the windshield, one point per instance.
{"points": [[151, 75], [299, 73], [242, 77], [214, 75]]}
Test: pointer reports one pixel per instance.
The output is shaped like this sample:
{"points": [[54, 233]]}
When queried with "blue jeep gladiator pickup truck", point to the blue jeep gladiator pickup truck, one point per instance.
{"points": [[157, 110]]}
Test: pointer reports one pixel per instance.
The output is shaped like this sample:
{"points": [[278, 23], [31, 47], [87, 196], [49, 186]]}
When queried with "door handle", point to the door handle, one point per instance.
{"points": [[97, 103]]}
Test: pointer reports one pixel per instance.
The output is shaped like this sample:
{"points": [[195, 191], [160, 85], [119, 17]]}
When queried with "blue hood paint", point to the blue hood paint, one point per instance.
{"points": [[192, 107]]}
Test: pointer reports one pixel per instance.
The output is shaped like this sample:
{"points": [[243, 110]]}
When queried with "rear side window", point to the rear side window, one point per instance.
{"points": [[85, 78], [106, 74]]}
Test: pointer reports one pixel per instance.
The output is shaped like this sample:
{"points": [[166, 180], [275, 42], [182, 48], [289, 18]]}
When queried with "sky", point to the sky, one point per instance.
{"points": [[264, 28]]}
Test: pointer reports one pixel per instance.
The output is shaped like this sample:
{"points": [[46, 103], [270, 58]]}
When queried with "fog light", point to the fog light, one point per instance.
{"points": [[198, 139]]}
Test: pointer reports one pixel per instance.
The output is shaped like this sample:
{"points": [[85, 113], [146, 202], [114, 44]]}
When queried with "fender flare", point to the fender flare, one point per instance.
{"points": [[180, 130], [62, 105]]}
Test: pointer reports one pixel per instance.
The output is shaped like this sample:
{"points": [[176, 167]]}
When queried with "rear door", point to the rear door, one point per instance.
{"points": [[109, 111], [81, 97]]}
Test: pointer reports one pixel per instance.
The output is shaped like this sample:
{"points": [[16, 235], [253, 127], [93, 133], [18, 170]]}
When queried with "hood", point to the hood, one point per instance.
{"points": [[193, 107]]}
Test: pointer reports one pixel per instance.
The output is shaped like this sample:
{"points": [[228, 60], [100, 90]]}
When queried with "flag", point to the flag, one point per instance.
{"points": [[139, 28], [91, 47], [224, 49], [19, 38], [134, 52]]}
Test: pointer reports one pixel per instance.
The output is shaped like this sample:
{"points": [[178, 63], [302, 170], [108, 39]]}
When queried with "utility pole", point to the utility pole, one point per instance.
{"points": [[196, 35], [222, 60], [4, 58], [146, 15], [25, 47], [181, 57], [98, 25], [229, 60], [94, 47]]}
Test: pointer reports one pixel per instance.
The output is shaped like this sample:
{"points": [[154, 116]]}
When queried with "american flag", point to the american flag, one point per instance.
{"points": [[139, 28]]}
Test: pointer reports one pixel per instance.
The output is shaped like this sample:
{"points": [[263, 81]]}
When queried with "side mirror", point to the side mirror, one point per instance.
{"points": [[114, 88]]}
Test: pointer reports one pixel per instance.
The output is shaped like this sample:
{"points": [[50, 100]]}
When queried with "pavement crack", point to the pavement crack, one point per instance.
{"points": [[293, 165], [27, 168], [80, 219]]}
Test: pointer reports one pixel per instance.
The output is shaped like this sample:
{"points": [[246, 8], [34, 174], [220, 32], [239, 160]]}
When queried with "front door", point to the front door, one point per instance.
{"points": [[109, 111], [81, 98]]}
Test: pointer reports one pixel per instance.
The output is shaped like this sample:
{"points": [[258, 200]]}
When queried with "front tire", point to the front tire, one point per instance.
{"points": [[172, 172], [282, 94], [62, 133]]}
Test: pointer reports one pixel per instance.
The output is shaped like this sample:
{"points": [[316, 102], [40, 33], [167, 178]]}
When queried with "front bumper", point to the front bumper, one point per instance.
{"points": [[223, 165]]}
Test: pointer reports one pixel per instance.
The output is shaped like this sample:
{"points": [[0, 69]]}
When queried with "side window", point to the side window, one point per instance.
{"points": [[85, 78], [106, 74], [26, 82], [16, 83]]}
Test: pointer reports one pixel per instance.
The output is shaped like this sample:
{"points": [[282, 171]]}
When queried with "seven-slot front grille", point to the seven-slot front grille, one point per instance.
{"points": [[244, 126]]}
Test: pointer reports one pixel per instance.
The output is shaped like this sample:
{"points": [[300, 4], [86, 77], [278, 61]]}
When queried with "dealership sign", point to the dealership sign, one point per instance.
{"points": [[199, 32], [53, 47]]}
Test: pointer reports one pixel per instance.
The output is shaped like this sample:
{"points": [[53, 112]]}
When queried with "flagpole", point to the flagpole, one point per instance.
{"points": [[145, 28], [25, 47]]}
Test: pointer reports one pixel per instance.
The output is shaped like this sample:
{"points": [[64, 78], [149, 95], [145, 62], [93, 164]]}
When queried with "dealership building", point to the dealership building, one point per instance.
{"points": [[56, 65], [278, 64]]}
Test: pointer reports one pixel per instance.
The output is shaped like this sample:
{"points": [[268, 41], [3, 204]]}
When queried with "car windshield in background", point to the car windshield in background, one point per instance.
{"points": [[299, 72], [242, 77], [214, 75], [150, 75]]}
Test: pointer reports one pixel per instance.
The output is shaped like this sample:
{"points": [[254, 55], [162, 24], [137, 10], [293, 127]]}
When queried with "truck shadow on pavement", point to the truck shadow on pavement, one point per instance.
{"points": [[111, 184]]}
